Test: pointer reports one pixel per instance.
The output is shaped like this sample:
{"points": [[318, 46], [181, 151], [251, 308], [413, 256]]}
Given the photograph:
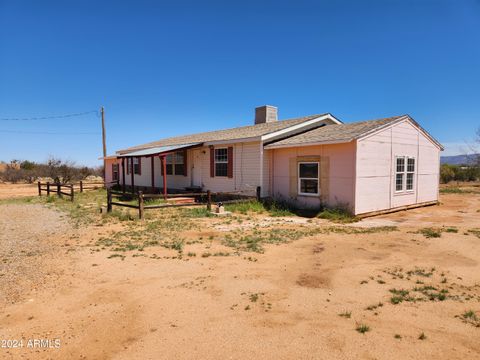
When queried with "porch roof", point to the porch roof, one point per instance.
{"points": [[158, 150]]}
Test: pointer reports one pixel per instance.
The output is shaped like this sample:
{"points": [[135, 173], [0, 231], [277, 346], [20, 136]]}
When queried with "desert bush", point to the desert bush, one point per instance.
{"points": [[459, 173], [58, 170]]}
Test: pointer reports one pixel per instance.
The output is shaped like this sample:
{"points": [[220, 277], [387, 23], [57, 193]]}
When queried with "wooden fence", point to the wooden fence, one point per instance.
{"points": [[201, 198], [57, 189]]}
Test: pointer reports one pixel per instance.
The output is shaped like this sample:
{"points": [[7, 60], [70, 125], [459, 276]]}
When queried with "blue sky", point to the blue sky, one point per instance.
{"points": [[170, 68]]}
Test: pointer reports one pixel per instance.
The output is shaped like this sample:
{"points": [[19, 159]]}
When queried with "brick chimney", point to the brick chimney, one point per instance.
{"points": [[265, 114]]}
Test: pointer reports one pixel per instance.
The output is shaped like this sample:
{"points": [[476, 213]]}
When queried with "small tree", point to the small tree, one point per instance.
{"points": [[447, 173]]}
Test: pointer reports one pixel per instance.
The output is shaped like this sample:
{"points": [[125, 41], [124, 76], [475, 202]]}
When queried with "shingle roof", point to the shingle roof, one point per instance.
{"points": [[227, 134], [336, 132]]}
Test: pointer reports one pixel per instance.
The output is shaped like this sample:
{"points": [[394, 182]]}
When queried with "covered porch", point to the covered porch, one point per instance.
{"points": [[173, 164]]}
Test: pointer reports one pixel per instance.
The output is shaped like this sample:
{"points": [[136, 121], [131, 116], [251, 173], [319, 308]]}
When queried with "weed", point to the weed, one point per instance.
{"points": [[191, 254], [362, 328], [337, 215], [116, 256], [373, 307], [457, 190], [345, 314], [246, 207], [430, 232], [451, 230], [397, 336], [253, 297], [197, 213], [206, 254], [470, 314], [380, 281], [422, 336]]}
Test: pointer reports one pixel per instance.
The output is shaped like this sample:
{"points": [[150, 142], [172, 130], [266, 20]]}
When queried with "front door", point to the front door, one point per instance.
{"points": [[197, 168]]}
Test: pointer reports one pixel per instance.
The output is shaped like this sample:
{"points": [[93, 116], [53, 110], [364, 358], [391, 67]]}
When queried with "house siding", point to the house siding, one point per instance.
{"points": [[340, 178], [375, 168], [246, 175]]}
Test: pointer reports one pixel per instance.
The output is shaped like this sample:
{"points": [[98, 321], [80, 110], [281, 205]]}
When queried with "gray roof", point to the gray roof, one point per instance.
{"points": [[337, 133], [227, 134], [158, 150]]}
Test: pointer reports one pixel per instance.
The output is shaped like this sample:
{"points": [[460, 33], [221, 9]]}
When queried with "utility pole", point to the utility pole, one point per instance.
{"points": [[102, 111]]}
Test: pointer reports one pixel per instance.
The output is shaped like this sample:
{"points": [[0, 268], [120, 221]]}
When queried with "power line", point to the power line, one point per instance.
{"points": [[47, 132], [51, 117]]}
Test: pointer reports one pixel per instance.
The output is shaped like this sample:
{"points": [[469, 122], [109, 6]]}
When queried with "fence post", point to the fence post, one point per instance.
{"points": [[39, 188], [209, 200], [259, 193], [109, 201], [59, 190], [141, 209], [72, 194], [48, 188], [81, 186]]}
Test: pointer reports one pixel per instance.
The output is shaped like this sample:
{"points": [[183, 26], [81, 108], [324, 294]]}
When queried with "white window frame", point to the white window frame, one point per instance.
{"points": [[410, 172], [404, 174], [215, 162], [136, 161], [299, 179], [176, 162]]}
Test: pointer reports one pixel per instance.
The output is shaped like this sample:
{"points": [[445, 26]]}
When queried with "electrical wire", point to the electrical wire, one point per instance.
{"points": [[47, 132], [51, 117]]}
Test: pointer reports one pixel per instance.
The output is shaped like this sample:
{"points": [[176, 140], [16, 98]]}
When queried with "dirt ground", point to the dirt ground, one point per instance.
{"points": [[17, 190], [103, 297]]}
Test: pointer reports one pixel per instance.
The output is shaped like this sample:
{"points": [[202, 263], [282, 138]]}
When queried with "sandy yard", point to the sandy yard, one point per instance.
{"points": [[178, 286], [17, 190]]}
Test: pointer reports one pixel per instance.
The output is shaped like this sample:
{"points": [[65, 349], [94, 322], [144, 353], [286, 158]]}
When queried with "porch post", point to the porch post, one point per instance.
{"points": [[164, 165], [132, 175], [153, 174], [123, 174]]}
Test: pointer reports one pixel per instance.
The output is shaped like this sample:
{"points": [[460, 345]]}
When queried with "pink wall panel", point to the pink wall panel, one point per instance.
{"points": [[375, 183], [341, 173]]}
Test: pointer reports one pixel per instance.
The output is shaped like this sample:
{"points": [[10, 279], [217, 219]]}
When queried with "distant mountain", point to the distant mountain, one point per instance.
{"points": [[459, 159]]}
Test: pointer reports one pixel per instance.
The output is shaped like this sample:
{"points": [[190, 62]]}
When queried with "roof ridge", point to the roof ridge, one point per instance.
{"points": [[238, 128]]}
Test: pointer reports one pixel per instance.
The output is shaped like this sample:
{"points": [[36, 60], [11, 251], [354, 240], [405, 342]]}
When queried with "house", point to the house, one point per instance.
{"points": [[365, 167]]}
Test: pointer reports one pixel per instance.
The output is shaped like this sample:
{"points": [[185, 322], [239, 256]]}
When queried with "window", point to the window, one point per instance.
{"points": [[136, 165], [115, 172], [400, 174], [308, 178], [221, 162], [129, 166], [404, 175], [169, 159], [179, 163], [410, 173]]}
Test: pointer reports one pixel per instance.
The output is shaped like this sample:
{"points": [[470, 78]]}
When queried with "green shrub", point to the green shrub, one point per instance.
{"points": [[337, 215]]}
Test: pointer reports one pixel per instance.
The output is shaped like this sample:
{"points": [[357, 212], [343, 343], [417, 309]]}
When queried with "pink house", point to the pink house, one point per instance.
{"points": [[312, 161]]}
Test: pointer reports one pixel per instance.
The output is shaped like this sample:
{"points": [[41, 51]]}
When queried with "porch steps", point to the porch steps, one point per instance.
{"points": [[181, 200]]}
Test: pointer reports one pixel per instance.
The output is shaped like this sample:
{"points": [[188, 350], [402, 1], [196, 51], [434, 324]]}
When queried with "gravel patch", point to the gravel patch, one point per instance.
{"points": [[29, 234]]}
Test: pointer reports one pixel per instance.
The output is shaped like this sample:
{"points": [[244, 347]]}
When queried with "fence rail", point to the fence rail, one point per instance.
{"points": [[140, 197], [56, 188], [81, 186]]}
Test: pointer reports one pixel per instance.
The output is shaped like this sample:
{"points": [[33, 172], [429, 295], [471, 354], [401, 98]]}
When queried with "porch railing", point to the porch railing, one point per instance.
{"points": [[117, 198]]}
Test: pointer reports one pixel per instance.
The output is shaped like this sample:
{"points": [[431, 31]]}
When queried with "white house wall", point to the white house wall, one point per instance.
{"points": [[375, 168]]}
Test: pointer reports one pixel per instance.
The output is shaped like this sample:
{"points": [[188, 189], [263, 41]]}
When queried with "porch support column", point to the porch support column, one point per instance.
{"points": [[132, 175], [153, 174], [123, 175], [164, 166]]}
